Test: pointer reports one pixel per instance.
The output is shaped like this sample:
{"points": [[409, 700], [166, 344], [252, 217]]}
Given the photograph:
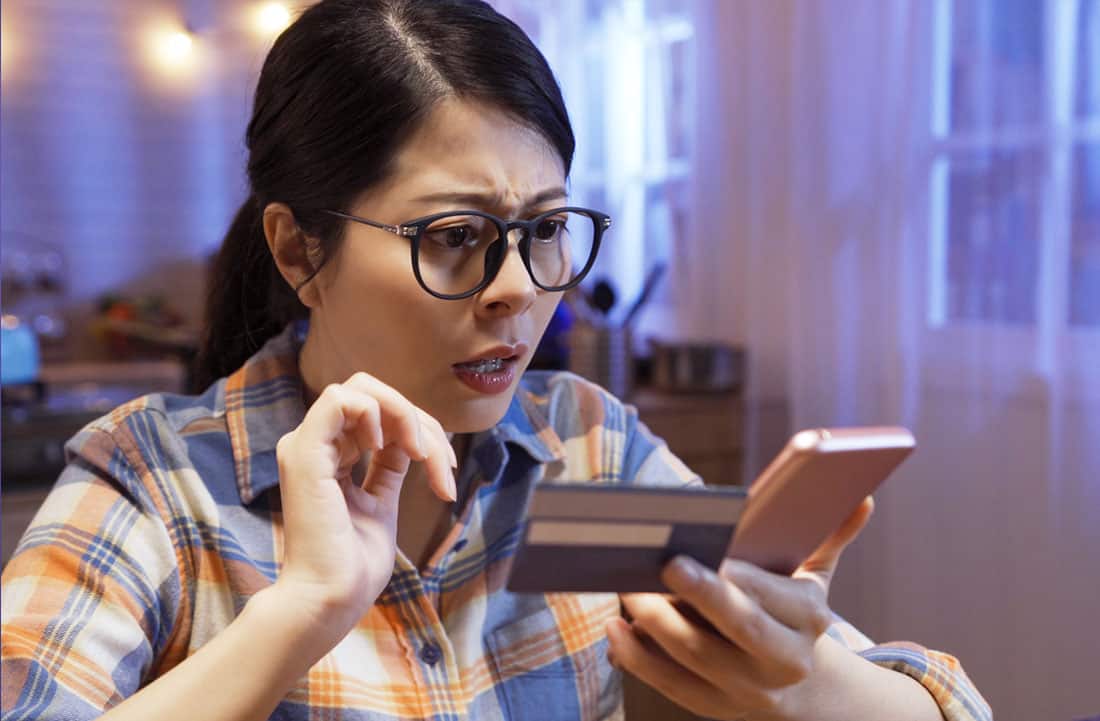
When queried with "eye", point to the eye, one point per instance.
{"points": [[456, 236], [549, 229]]}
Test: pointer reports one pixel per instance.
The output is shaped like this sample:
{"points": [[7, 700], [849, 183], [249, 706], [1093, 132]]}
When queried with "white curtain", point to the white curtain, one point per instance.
{"points": [[626, 69], [814, 251]]}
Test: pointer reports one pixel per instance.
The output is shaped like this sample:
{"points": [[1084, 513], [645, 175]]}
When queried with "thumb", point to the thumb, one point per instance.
{"points": [[821, 564]]}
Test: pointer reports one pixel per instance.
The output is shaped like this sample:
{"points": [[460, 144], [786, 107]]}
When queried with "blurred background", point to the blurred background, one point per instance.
{"points": [[830, 212]]}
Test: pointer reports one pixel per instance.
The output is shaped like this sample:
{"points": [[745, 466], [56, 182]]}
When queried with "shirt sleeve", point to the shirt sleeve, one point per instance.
{"points": [[939, 673], [647, 460], [88, 601]]}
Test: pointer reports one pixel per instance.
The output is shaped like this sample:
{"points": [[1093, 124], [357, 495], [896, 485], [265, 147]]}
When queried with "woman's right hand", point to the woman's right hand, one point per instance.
{"points": [[339, 537]]}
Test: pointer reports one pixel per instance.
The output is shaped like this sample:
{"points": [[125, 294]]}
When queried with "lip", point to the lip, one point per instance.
{"points": [[506, 352]]}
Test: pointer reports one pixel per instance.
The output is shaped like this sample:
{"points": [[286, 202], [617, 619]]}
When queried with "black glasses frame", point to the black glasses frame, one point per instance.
{"points": [[498, 250]]}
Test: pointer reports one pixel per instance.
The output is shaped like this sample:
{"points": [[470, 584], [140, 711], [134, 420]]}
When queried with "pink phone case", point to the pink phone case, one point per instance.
{"points": [[810, 488]]}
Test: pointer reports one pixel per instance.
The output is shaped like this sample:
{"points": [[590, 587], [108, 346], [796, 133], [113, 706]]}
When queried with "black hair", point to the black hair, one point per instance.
{"points": [[341, 90]]}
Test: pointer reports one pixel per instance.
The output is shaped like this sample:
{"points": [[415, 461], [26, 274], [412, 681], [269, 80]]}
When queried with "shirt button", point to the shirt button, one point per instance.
{"points": [[430, 653], [460, 544]]}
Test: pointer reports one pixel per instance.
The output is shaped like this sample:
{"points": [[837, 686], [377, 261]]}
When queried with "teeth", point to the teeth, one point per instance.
{"points": [[490, 365]]}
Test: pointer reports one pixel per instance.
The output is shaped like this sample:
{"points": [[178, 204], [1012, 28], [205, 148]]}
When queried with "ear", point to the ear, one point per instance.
{"points": [[292, 251]]}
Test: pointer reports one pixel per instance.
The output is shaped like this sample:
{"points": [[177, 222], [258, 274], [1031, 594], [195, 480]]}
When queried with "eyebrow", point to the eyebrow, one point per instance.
{"points": [[485, 200]]}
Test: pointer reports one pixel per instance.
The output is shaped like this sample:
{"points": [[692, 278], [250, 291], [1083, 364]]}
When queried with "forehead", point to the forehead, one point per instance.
{"points": [[464, 145]]}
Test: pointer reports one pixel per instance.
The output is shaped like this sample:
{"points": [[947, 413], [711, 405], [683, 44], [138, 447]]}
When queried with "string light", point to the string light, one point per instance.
{"points": [[176, 48], [272, 18], [172, 50]]}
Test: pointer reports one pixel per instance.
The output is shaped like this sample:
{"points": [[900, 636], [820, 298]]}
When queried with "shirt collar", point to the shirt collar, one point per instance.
{"points": [[527, 425], [264, 401]]}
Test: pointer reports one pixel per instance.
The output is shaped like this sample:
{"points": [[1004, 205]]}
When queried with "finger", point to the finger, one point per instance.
{"points": [[328, 418], [671, 680], [437, 428], [737, 616], [385, 474], [400, 422], [822, 563], [797, 603], [707, 655], [427, 443], [362, 432], [365, 415], [441, 477]]}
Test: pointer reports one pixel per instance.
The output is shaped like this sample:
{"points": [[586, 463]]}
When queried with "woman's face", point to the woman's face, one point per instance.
{"points": [[370, 313]]}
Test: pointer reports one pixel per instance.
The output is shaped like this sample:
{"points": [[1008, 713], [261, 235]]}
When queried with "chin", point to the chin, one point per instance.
{"points": [[474, 416]]}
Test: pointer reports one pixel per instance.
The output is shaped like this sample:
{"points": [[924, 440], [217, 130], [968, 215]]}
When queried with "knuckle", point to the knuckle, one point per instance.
{"points": [[359, 378], [284, 444], [697, 652], [645, 617], [711, 590], [754, 627], [371, 405], [817, 613], [748, 585], [767, 699], [794, 670], [803, 667], [820, 619]]}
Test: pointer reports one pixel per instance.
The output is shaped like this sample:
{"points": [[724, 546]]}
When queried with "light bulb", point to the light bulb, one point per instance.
{"points": [[174, 49], [272, 18]]}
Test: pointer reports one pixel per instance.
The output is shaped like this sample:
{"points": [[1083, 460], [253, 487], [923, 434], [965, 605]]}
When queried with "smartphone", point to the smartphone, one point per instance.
{"points": [[596, 537], [811, 487]]}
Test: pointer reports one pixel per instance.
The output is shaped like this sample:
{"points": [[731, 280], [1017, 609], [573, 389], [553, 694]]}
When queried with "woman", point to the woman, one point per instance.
{"points": [[326, 530]]}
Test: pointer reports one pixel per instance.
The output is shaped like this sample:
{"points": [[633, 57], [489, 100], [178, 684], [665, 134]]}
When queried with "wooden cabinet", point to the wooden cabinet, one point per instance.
{"points": [[706, 431]]}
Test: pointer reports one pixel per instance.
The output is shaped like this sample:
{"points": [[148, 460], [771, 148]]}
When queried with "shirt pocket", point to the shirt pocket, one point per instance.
{"points": [[537, 676]]}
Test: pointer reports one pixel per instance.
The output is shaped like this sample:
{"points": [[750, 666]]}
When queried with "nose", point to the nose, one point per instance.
{"points": [[512, 291]]}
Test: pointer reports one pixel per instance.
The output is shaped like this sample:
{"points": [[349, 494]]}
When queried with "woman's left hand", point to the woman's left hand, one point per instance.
{"points": [[761, 647]]}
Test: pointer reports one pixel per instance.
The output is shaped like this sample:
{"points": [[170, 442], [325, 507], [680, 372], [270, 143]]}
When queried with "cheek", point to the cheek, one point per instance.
{"points": [[373, 300], [543, 311]]}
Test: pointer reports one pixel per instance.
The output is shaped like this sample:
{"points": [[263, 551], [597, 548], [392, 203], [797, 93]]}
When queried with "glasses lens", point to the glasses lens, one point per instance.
{"points": [[561, 245], [452, 252]]}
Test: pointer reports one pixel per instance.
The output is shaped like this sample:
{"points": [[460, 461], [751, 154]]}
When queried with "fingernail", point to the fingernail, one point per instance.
{"points": [[687, 569], [454, 458], [454, 488]]}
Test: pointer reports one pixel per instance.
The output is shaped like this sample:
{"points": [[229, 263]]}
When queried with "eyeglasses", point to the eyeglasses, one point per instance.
{"points": [[458, 253]]}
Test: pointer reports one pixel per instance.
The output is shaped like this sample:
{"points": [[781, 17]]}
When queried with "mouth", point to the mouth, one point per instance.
{"points": [[491, 371], [486, 365]]}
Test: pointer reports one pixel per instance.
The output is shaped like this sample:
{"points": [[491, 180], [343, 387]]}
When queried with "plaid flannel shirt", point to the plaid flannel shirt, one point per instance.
{"points": [[166, 521]]}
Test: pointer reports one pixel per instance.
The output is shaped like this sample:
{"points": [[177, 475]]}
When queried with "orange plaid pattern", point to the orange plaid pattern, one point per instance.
{"points": [[167, 520]]}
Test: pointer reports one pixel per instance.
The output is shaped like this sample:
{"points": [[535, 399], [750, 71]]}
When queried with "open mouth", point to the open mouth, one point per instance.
{"points": [[486, 365], [494, 372]]}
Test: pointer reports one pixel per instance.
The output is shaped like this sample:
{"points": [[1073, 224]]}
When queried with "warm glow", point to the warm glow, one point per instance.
{"points": [[5, 50], [171, 51], [175, 49], [272, 18]]}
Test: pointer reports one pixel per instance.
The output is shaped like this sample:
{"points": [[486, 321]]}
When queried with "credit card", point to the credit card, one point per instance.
{"points": [[603, 538]]}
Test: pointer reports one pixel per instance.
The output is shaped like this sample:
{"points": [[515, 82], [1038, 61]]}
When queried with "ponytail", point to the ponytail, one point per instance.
{"points": [[247, 300]]}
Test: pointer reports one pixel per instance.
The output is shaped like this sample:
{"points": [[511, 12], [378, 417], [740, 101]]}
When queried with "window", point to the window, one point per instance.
{"points": [[627, 71], [1015, 167]]}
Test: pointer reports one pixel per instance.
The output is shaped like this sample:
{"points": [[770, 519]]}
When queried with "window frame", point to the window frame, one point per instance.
{"points": [[1051, 347]]}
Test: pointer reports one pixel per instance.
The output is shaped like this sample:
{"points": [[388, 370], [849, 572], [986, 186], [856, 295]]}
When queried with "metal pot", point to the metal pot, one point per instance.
{"points": [[697, 366]]}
